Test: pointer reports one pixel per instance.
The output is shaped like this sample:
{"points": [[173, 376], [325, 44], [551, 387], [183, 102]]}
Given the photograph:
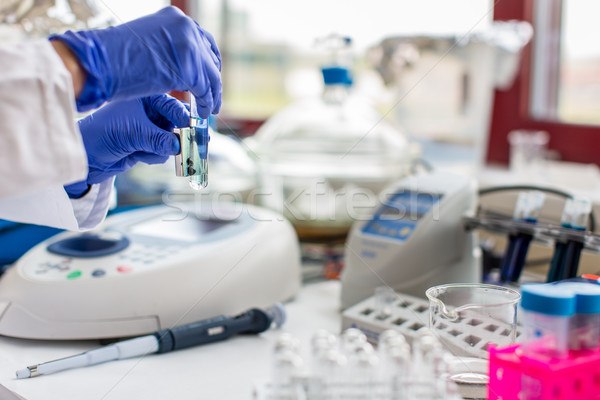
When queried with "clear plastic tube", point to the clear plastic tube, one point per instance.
{"points": [[581, 209], [527, 209], [192, 161], [384, 301]]}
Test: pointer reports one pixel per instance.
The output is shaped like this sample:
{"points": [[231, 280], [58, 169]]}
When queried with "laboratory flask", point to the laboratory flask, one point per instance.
{"points": [[324, 161]]}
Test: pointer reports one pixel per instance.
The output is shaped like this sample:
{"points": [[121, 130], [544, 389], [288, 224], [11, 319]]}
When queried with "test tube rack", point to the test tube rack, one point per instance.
{"points": [[541, 232], [514, 376], [409, 315]]}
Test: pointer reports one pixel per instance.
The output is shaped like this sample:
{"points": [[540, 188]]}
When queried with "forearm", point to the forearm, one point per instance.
{"points": [[78, 74]]}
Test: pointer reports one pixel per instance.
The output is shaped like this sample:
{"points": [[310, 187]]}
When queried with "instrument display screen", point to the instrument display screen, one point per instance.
{"points": [[178, 226]]}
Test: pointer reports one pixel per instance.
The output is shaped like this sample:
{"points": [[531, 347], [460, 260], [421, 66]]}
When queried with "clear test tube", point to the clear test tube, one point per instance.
{"points": [[527, 209], [529, 206], [556, 270], [192, 160], [567, 252], [580, 209], [384, 301]]}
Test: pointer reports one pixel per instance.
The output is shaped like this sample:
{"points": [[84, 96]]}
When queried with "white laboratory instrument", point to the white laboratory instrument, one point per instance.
{"points": [[415, 240], [151, 269], [454, 100]]}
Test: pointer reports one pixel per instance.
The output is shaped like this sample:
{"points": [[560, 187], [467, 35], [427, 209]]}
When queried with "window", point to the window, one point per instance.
{"points": [[579, 79], [565, 84], [268, 45], [558, 88], [119, 11]]}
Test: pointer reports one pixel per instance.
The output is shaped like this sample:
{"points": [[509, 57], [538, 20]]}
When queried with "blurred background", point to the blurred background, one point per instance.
{"points": [[431, 84]]}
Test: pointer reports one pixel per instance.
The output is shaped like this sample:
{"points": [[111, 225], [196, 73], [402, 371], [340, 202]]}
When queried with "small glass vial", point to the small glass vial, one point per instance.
{"points": [[384, 302], [192, 160]]}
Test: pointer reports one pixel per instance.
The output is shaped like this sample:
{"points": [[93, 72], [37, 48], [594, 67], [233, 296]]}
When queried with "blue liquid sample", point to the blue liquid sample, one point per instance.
{"points": [[199, 155], [196, 159], [194, 153]]}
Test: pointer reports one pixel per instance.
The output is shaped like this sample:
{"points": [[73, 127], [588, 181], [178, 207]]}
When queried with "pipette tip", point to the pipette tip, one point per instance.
{"points": [[23, 373], [277, 313]]}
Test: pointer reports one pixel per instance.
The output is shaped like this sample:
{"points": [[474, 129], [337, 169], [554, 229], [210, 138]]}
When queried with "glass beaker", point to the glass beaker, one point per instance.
{"points": [[527, 151], [466, 318]]}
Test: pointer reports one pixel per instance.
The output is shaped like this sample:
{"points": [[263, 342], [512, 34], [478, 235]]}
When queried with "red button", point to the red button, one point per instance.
{"points": [[591, 276], [124, 269]]}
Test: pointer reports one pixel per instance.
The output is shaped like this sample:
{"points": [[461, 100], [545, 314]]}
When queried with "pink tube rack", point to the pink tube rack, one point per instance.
{"points": [[514, 376]]}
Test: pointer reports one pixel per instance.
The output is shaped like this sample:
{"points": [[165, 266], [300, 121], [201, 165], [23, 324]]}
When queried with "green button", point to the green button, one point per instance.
{"points": [[74, 274]]}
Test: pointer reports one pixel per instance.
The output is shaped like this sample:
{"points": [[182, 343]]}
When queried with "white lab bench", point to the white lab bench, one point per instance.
{"points": [[224, 370]]}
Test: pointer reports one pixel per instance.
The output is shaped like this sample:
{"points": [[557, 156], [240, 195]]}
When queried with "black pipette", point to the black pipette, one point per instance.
{"points": [[194, 334]]}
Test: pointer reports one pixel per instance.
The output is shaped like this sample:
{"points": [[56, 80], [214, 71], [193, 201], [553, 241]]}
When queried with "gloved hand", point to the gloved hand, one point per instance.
{"points": [[122, 133], [151, 55]]}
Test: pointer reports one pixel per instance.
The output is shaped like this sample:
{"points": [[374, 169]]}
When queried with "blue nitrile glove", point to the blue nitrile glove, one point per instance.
{"points": [[151, 55], [123, 133]]}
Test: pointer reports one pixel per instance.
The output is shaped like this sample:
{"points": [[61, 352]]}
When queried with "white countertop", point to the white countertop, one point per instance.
{"points": [[225, 370]]}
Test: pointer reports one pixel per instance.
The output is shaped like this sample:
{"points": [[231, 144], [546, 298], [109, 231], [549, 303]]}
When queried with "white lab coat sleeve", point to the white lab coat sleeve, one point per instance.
{"points": [[40, 145], [52, 207], [91, 209]]}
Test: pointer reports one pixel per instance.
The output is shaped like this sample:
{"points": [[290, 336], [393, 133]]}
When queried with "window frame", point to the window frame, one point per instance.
{"points": [[182, 5], [574, 142]]}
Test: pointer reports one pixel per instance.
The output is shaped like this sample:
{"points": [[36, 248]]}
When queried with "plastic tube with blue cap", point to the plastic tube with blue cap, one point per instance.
{"points": [[584, 332], [547, 313]]}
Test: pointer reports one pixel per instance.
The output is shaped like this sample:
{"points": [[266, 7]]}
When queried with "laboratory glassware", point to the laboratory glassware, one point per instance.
{"points": [[192, 160], [232, 171], [565, 260], [488, 313], [527, 151], [350, 368], [323, 160], [527, 209]]}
